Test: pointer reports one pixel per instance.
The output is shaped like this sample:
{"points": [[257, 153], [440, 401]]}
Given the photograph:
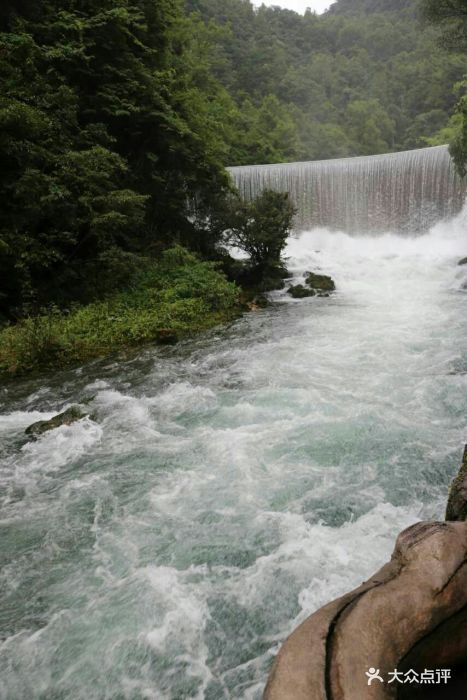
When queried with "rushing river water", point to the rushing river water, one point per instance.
{"points": [[226, 488]]}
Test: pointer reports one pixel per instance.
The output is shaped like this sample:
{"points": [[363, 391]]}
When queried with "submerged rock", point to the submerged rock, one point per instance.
{"points": [[71, 415], [298, 291], [463, 261], [322, 283], [457, 503]]}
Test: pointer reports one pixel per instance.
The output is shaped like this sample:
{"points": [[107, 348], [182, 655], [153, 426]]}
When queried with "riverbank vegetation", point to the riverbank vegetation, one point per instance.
{"points": [[117, 120], [178, 296]]}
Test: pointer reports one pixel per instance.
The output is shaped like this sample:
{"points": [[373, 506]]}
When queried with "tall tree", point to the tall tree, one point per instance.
{"points": [[106, 141]]}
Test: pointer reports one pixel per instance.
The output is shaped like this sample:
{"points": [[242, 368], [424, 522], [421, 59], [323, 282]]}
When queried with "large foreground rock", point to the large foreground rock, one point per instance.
{"points": [[412, 614]]}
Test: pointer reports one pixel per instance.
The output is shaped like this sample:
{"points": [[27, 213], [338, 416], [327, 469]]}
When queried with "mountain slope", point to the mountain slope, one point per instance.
{"points": [[365, 77]]}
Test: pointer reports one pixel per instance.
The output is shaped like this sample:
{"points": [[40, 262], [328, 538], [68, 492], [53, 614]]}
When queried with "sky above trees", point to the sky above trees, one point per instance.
{"points": [[297, 5]]}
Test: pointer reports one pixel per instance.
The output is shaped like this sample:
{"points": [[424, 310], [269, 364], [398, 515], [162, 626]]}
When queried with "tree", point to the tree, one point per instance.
{"points": [[112, 142], [260, 228], [451, 17], [370, 126]]}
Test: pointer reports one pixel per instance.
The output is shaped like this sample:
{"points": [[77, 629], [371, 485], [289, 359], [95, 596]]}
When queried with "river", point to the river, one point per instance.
{"points": [[227, 487]]}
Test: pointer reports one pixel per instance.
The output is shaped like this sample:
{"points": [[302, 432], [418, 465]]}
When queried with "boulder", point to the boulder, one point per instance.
{"points": [[457, 502], [410, 616], [463, 261], [71, 415], [298, 291], [323, 283]]}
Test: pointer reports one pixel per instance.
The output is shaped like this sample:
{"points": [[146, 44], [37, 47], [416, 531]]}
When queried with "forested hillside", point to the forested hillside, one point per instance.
{"points": [[108, 133], [366, 77]]}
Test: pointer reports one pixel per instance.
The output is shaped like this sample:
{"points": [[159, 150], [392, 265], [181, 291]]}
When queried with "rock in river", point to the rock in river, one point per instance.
{"points": [[322, 283], [298, 291], [71, 415]]}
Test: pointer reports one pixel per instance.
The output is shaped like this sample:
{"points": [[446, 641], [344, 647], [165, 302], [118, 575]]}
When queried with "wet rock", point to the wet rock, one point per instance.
{"points": [[166, 336], [298, 291], [258, 303], [71, 415], [261, 301], [323, 283], [463, 261], [457, 503], [411, 615]]}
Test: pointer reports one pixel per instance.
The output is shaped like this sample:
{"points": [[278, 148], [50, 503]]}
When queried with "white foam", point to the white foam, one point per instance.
{"points": [[230, 489]]}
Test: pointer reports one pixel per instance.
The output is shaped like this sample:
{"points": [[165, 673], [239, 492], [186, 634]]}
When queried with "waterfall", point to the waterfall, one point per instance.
{"points": [[408, 191]]}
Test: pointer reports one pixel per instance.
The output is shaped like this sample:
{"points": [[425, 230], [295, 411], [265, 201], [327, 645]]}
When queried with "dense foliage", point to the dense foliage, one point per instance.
{"points": [[260, 228], [450, 19], [178, 295], [363, 78], [450, 16], [108, 135]]}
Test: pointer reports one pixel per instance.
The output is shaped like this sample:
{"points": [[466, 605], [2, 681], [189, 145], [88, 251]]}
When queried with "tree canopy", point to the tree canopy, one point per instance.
{"points": [[109, 133], [365, 77]]}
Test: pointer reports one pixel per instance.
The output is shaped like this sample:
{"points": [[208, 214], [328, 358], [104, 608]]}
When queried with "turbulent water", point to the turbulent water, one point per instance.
{"points": [[405, 192], [224, 489]]}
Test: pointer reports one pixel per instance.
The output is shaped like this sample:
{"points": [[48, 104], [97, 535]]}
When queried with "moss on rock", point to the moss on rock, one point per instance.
{"points": [[323, 283], [71, 415], [298, 291]]}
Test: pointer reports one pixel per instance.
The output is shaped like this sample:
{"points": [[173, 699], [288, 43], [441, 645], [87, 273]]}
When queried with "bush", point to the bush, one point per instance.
{"points": [[260, 228]]}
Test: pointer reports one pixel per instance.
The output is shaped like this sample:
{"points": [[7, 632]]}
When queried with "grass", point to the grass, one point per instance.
{"points": [[175, 298]]}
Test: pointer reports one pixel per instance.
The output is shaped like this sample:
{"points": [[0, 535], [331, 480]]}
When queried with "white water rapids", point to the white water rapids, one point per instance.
{"points": [[226, 488]]}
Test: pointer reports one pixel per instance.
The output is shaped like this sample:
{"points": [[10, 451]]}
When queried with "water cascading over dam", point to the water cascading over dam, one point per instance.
{"points": [[408, 191]]}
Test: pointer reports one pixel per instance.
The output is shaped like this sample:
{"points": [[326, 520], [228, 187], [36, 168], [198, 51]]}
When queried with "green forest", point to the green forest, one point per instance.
{"points": [[366, 77], [119, 117]]}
